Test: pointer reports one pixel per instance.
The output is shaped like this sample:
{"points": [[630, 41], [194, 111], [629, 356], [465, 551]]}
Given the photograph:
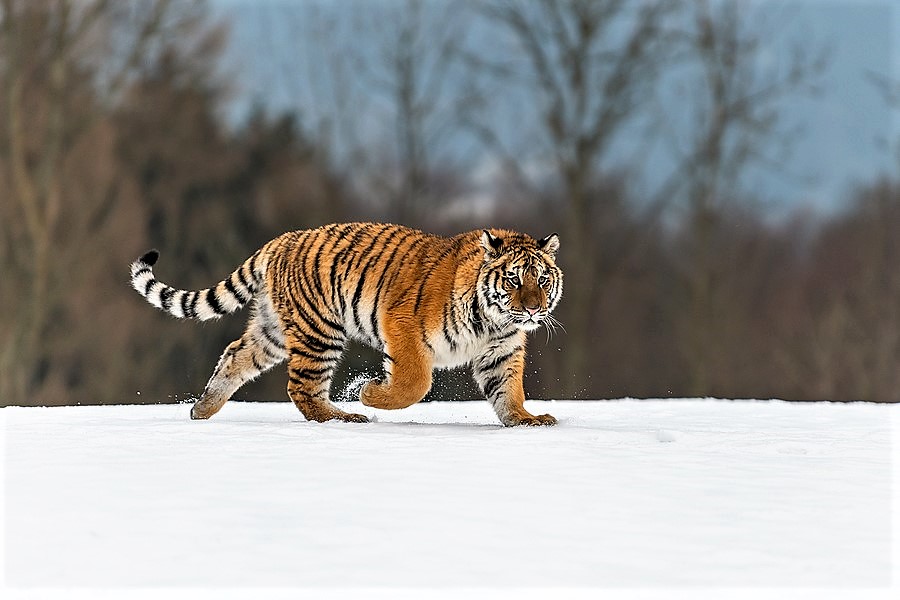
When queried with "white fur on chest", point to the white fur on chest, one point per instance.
{"points": [[462, 351], [469, 347], [462, 348]]}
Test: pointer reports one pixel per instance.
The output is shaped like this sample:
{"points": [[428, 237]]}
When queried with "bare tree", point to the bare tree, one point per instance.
{"points": [[417, 47], [55, 83], [584, 68], [735, 125], [375, 85], [850, 315]]}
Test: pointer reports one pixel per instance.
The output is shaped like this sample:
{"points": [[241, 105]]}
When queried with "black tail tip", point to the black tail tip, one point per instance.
{"points": [[150, 258]]}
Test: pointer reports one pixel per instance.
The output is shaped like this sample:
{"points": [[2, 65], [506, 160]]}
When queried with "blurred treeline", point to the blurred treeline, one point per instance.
{"points": [[114, 138]]}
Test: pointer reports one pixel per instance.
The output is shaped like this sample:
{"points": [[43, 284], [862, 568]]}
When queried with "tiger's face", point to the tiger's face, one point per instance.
{"points": [[520, 283]]}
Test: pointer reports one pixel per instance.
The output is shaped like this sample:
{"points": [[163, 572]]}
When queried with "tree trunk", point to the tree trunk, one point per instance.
{"points": [[579, 284]]}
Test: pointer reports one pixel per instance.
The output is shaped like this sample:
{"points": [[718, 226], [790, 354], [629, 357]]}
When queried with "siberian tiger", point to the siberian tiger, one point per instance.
{"points": [[424, 301]]}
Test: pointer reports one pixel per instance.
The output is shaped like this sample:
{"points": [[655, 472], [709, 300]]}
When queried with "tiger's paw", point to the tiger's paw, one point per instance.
{"points": [[202, 410], [339, 415], [532, 420], [371, 394], [387, 396], [546, 420], [353, 418], [320, 412]]}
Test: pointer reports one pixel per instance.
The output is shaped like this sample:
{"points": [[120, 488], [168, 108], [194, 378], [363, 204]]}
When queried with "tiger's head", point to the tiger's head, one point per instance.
{"points": [[519, 283]]}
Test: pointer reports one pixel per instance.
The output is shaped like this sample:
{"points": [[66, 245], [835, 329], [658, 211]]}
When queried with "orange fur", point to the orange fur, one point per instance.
{"points": [[425, 301]]}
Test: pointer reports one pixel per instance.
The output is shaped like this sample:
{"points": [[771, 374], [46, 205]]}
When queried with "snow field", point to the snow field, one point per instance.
{"points": [[687, 497]]}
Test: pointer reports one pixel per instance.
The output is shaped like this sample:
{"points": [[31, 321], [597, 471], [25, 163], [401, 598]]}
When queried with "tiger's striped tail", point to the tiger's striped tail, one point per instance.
{"points": [[228, 296]]}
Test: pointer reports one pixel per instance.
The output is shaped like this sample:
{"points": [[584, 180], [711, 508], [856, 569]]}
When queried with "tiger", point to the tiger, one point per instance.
{"points": [[424, 301]]}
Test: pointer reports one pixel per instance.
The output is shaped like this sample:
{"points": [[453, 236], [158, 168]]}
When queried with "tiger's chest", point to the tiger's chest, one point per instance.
{"points": [[455, 350]]}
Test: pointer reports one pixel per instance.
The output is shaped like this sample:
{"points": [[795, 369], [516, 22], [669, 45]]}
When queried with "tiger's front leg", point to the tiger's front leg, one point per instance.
{"points": [[498, 373]]}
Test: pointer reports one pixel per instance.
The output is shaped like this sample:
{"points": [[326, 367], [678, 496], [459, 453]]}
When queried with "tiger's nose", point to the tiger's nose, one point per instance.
{"points": [[532, 310]]}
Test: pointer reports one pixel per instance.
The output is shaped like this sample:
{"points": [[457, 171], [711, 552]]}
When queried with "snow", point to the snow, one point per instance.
{"points": [[628, 497]]}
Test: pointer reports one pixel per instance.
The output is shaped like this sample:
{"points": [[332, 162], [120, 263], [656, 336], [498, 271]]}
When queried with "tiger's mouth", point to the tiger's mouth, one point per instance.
{"points": [[528, 320]]}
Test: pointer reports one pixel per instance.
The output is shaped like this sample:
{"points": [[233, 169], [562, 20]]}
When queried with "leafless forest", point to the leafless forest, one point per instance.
{"points": [[113, 140]]}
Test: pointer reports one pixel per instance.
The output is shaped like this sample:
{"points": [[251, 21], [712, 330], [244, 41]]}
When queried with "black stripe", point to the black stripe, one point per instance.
{"points": [[503, 335], [303, 318], [253, 259], [255, 362], [452, 247], [321, 340], [291, 265], [497, 361], [214, 302], [299, 375], [357, 297], [371, 263], [240, 297], [310, 302], [448, 339], [491, 386], [493, 285], [425, 337], [149, 286], [313, 372], [243, 279], [332, 279], [195, 297], [165, 298], [447, 336], [317, 357], [357, 260], [270, 337], [185, 308], [316, 275], [400, 268], [315, 310], [140, 272], [375, 303], [318, 346], [452, 321], [352, 251], [368, 261], [294, 380], [271, 354], [477, 316], [337, 279], [312, 274]]}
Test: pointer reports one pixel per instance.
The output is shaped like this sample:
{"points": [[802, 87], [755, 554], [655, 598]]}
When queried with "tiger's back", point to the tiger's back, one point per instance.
{"points": [[425, 301]]}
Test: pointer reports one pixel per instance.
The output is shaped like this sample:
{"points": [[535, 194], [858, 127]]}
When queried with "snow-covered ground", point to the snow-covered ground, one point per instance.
{"points": [[682, 496]]}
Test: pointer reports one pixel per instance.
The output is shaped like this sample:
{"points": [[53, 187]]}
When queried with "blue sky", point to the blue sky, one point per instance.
{"points": [[842, 133], [846, 126]]}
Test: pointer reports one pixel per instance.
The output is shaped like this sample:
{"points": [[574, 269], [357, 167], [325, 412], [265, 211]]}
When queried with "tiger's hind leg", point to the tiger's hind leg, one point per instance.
{"points": [[260, 348], [311, 366]]}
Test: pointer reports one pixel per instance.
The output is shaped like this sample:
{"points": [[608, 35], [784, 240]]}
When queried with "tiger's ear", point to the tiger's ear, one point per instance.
{"points": [[492, 244], [549, 244]]}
